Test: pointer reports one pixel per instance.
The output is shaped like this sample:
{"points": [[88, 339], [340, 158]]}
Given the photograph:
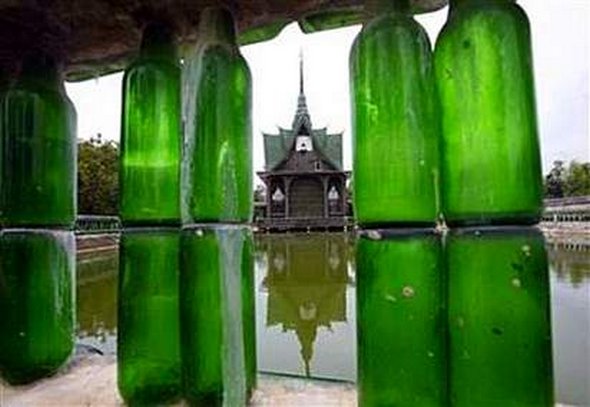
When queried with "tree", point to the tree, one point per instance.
{"points": [[577, 179], [571, 181], [554, 181], [98, 177]]}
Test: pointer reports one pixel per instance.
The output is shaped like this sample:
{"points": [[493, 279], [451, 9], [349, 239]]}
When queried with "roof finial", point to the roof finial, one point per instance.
{"points": [[302, 114], [301, 71]]}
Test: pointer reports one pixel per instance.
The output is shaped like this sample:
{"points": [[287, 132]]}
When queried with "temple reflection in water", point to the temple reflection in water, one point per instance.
{"points": [[306, 284]]}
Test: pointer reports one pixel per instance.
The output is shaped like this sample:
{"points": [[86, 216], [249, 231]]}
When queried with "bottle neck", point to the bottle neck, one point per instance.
{"points": [[157, 42], [217, 25], [380, 7], [43, 69]]}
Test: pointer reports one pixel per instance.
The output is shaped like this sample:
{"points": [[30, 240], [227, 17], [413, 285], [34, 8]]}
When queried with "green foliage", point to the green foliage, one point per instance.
{"points": [[577, 179], [553, 183], [571, 181], [98, 179]]}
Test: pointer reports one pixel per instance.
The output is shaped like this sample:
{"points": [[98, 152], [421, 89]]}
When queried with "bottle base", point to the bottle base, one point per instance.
{"points": [[26, 375], [152, 395], [209, 399], [396, 224], [506, 220], [150, 223]]}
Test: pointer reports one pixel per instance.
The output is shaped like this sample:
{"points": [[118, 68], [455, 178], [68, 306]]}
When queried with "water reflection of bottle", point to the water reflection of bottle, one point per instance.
{"points": [[214, 262], [491, 165], [499, 320], [148, 343], [401, 319], [38, 148], [394, 119], [150, 136], [217, 168], [36, 303]]}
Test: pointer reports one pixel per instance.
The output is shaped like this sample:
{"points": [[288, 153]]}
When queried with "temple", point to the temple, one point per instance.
{"points": [[304, 178]]}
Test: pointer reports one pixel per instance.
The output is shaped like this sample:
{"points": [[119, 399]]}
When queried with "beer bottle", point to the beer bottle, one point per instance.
{"points": [[249, 313], [150, 133], [212, 327], [37, 271], [395, 125], [491, 168], [262, 33], [38, 147], [148, 344], [499, 318], [401, 319], [217, 168]]}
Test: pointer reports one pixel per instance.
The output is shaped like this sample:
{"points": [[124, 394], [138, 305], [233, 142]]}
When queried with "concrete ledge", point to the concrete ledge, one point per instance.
{"points": [[90, 380]]}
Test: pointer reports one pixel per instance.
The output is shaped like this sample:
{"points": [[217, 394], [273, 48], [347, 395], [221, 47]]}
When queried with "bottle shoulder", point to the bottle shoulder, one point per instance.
{"points": [[216, 55], [392, 28], [26, 93], [484, 16]]}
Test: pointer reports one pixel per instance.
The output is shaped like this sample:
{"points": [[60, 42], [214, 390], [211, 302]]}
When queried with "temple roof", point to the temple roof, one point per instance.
{"points": [[278, 146]]}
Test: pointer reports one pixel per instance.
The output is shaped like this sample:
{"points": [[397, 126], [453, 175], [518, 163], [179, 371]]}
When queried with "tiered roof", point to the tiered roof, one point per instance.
{"points": [[277, 147]]}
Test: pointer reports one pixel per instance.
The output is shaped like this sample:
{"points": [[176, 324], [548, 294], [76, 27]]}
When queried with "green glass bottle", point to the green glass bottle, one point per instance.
{"points": [[491, 166], [37, 271], [249, 314], [148, 340], [262, 33], [395, 125], [212, 327], [150, 133], [499, 318], [401, 319], [217, 167], [38, 147]]}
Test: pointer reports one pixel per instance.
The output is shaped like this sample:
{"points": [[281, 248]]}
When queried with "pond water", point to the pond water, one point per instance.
{"points": [[306, 309]]}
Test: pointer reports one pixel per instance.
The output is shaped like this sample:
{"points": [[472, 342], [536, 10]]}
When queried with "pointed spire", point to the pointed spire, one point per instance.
{"points": [[301, 88], [306, 332], [302, 117]]}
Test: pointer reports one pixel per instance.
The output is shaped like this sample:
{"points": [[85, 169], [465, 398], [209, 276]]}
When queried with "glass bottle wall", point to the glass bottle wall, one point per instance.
{"points": [[491, 168], [37, 269], [37, 190], [216, 367], [217, 164], [395, 125], [150, 133], [401, 319], [38, 148], [216, 297], [148, 340], [148, 343], [499, 319], [249, 313]]}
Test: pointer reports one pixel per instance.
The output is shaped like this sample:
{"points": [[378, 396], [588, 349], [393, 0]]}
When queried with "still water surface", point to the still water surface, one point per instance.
{"points": [[305, 302]]}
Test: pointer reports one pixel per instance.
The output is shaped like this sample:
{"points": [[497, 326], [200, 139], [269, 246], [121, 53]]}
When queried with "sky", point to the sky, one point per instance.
{"points": [[560, 38]]}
